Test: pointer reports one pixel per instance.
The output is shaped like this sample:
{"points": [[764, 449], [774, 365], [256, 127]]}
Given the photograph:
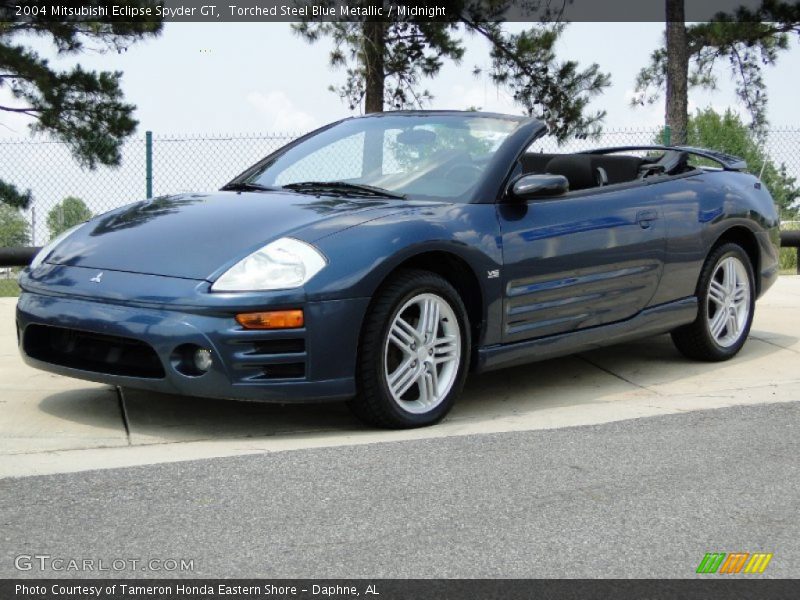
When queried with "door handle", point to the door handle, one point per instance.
{"points": [[645, 218]]}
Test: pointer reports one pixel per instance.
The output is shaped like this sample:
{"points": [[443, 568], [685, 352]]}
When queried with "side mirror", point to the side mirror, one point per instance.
{"points": [[539, 186]]}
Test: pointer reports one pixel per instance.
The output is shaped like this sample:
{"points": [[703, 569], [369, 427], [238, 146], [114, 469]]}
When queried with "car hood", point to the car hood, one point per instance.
{"points": [[194, 235]]}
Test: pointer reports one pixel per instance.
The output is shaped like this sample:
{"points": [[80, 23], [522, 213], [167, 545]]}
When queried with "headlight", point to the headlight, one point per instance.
{"points": [[51, 245], [283, 264]]}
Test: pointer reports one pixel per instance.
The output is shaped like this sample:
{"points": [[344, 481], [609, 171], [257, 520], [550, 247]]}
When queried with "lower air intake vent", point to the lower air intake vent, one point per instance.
{"points": [[283, 371], [92, 352], [278, 346]]}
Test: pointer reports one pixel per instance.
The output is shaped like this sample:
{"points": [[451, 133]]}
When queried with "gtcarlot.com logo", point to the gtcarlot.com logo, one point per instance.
{"points": [[735, 562], [45, 562]]}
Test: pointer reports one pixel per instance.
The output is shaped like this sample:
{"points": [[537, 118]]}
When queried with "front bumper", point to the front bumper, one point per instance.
{"points": [[247, 364]]}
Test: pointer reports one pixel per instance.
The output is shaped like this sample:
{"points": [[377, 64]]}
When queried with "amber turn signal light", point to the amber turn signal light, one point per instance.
{"points": [[274, 319]]}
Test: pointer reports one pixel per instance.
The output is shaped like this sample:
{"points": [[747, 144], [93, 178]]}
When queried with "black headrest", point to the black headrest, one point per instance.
{"points": [[619, 168], [577, 168]]}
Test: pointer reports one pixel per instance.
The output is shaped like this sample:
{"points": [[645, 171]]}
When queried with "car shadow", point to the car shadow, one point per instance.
{"points": [[94, 408], [603, 375]]}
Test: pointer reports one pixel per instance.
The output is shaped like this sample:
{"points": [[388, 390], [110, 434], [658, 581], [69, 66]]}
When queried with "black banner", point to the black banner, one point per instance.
{"points": [[394, 589], [371, 10]]}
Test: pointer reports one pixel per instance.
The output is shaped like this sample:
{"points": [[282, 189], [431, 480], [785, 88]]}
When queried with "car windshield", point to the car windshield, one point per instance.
{"points": [[417, 156]]}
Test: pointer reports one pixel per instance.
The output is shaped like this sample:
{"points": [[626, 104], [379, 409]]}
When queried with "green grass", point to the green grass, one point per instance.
{"points": [[8, 283], [8, 288]]}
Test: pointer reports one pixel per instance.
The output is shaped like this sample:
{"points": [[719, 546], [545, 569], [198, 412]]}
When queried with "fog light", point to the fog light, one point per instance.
{"points": [[202, 359]]}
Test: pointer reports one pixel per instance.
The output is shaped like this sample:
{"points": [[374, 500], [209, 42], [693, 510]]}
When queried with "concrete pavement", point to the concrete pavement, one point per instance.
{"points": [[51, 424]]}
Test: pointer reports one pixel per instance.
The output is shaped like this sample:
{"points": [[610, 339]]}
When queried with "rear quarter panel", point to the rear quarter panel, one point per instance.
{"points": [[699, 209]]}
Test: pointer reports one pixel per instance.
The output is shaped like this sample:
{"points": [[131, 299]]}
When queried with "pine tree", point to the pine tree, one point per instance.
{"points": [[84, 109], [386, 61], [746, 40]]}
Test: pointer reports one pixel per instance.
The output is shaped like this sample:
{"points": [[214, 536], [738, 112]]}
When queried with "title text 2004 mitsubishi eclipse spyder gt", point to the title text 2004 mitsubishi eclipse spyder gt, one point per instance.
{"points": [[378, 259]]}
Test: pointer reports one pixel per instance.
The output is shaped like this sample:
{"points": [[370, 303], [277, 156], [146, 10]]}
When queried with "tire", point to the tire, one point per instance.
{"points": [[409, 374], [713, 336]]}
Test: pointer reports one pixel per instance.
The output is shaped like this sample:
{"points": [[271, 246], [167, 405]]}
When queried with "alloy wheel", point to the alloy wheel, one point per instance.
{"points": [[728, 301], [422, 352]]}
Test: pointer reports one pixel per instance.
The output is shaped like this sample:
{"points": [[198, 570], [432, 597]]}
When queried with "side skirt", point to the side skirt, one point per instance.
{"points": [[651, 321]]}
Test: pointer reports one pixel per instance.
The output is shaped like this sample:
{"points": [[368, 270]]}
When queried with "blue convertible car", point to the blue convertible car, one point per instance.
{"points": [[378, 259]]}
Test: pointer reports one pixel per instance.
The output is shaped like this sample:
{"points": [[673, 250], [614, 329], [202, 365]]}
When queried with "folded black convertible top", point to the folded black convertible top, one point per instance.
{"points": [[727, 161]]}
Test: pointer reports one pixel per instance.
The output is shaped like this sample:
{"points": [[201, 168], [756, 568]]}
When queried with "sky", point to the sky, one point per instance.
{"points": [[260, 77]]}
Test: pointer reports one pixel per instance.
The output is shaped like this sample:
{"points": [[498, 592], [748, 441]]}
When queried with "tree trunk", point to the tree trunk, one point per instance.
{"points": [[374, 46], [677, 110]]}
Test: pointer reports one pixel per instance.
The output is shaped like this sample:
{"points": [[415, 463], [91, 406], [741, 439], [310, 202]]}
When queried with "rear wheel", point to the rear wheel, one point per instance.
{"points": [[726, 293], [413, 354]]}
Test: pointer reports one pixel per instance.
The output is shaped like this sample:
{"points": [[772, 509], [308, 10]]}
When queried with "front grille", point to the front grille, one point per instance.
{"points": [[95, 352]]}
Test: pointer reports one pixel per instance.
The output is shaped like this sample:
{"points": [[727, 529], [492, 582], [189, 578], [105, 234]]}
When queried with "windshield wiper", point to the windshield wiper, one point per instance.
{"points": [[343, 187], [244, 186]]}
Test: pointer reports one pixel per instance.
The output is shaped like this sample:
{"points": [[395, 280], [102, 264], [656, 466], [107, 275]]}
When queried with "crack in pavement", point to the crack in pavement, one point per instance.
{"points": [[618, 376], [124, 414], [755, 337]]}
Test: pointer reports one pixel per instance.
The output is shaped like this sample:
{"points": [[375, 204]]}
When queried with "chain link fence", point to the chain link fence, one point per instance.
{"points": [[188, 163]]}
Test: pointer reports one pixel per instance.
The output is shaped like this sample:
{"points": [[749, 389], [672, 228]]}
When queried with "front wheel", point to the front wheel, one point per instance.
{"points": [[726, 293], [413, 354]]}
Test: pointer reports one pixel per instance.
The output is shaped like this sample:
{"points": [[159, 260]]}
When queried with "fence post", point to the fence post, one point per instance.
{"points": [[148, 148], [667, 135]]}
